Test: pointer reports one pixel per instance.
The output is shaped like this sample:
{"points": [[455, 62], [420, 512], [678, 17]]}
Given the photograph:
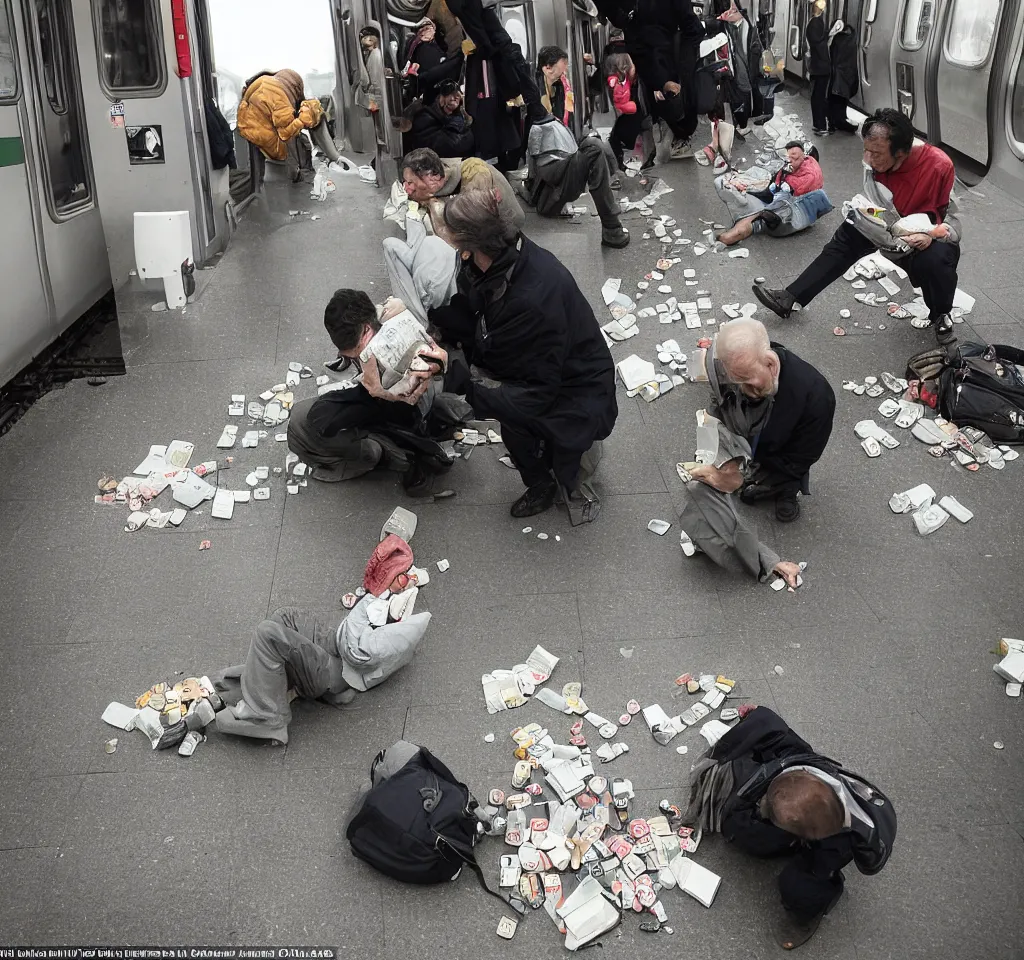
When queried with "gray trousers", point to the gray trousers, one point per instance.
{"points": [[347, 454], [293, 649], [710, 519], [422, 269]]}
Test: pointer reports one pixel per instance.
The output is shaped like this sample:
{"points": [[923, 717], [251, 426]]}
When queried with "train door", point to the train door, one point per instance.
{"points": [[579, 29], [964, 75], [386, 133], [149, 77], [353, 126], [26, 315], [62, 177], [518, 19], [878, 24], [918, 36], [796, 24], [1008, 135]]}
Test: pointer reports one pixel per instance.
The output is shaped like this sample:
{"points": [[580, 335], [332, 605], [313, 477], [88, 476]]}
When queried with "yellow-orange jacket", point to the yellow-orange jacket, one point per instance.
{"points": [[267, 118]]}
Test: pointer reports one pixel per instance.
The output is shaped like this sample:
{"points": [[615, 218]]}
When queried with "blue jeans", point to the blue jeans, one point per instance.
{"points": [[795, 213]]}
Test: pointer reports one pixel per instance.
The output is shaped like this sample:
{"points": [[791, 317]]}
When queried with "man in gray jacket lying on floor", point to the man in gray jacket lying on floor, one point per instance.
{"points": [[320, 658]]}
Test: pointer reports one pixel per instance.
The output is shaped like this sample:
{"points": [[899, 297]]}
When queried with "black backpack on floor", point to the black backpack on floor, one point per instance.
{"points": [[983, 387], [871, 846], [416, 825]]}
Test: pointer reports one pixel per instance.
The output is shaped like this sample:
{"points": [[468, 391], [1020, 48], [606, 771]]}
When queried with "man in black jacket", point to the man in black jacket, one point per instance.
{"points": [[535, 358], [794, 431], [443, 126], [805, 813]]}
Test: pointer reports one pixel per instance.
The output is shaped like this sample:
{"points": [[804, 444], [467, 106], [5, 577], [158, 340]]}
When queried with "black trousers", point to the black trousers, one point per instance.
{"points": [[627, 128], [837, 114], [813, 877], [819, 102], [933, 270], [486, 30], [532, 455], [562, 181]]}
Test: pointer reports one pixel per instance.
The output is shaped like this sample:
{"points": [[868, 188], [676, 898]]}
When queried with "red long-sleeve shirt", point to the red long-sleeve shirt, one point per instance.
{"points": [[622, 94], [922, 184]]}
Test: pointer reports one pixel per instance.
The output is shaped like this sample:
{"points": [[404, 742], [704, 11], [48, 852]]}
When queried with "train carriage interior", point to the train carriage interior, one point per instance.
{"points": [[109, 126]]}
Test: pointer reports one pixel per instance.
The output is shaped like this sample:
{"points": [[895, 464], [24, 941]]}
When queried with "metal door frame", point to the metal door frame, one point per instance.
{"points": [[986, 66], [1016, 66]]}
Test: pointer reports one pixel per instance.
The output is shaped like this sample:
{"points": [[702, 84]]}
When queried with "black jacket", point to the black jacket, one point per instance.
{"points": [[653, 29], [818, 64], [528, 325], [800, 424], [763, 736], [443, 134], [845, 76]]}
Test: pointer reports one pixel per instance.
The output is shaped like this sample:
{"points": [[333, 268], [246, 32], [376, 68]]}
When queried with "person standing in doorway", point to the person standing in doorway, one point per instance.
{"points": [[845, 77], [819, 67]]}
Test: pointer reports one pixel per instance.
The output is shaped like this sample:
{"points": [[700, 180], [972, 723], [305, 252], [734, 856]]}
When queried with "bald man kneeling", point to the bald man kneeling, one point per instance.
{"points": [[777, 402]]}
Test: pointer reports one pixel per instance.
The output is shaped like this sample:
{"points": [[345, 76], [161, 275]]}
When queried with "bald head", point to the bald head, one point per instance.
{"points": [[804, 805], [742, 346]]}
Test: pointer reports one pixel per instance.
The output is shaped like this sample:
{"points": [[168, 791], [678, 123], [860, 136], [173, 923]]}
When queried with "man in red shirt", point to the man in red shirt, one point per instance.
{"points": [[906, 179]]}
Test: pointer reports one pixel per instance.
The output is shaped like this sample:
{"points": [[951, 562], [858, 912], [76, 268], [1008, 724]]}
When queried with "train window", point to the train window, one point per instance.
{"points": [[917, 23], [515, 18], [872, 12], [60, 113], [130, 48], [8, 66], [972, 28]]}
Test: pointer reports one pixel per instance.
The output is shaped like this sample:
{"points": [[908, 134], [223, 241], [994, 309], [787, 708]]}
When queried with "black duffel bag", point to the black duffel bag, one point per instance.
{"points": [[982, 386]]}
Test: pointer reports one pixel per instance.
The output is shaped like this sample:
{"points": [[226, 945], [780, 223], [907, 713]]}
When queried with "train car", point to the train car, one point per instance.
{"points": [[54, 267], [102, 115], [953, 66]]}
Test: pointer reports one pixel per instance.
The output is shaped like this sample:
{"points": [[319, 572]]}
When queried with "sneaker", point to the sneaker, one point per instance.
{"points": [[681, 150], [615, 237], [537, 499], [780, 302], [821, 133], [944, 329]]}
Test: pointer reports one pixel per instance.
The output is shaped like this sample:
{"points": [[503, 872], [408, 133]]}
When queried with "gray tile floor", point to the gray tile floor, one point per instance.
{"points": [[885, 651]]}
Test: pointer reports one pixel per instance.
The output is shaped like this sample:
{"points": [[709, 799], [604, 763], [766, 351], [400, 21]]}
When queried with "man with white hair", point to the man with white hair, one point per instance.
{"points": [[781, 405]]}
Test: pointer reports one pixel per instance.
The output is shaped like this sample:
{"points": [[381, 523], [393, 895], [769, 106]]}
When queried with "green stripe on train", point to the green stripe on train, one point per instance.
{"points": [[12, 151]]}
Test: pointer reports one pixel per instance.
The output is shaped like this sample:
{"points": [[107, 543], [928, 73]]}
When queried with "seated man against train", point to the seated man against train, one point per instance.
{"points": [[560, 170], [559, 99], [442, 125], [346, 433], [273, 113], [779, 204], [906, 211], [298, 652]]}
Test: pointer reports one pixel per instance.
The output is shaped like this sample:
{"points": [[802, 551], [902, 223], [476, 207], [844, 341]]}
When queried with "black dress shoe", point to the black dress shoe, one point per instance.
{"points": [[755, 492], [780, 302], [787, 508], [771, 219], [537, 499], [944, 329]]}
